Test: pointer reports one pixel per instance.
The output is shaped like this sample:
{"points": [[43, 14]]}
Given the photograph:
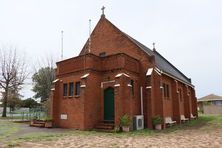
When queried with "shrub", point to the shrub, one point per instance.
{"points": [[157, 120], [125, 120]]}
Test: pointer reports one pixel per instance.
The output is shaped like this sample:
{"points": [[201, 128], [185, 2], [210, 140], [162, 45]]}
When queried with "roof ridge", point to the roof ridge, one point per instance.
{"points": [[160, 61]]}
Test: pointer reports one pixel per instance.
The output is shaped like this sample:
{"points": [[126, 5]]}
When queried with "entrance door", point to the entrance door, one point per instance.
{"points": [[109, 104]]}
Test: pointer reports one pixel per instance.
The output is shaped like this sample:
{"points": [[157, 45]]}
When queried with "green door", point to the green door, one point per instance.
{"points": [[109, 104]]}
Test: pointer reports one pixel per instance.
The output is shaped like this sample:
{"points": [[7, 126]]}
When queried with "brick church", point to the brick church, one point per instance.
{"points": [[114, 75]]}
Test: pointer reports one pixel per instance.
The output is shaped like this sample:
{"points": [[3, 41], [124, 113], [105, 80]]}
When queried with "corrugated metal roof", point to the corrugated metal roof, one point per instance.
{"points": [[161, 62], [211, 97]]}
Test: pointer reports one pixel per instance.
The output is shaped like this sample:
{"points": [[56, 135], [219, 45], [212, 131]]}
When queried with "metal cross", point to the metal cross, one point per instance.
{"points": [[153, 45], [103, 8]]}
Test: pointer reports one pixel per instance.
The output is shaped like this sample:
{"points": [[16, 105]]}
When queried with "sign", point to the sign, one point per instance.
{"points": [[63, 116]]}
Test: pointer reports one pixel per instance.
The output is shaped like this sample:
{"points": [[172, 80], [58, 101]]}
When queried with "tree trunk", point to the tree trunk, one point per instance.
{"points": [[5, 102]]}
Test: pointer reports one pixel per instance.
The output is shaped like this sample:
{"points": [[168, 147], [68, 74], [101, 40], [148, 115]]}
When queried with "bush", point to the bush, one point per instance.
{"points": [[157, 120], [125, 120]]}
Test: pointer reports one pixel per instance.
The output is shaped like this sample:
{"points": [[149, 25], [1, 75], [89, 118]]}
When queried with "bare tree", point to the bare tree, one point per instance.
{"points": [[12, 74]]}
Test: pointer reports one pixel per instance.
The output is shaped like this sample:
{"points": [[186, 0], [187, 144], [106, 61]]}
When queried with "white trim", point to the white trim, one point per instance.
{"points": [[106, 82], [117, 85], [141, 99], [120, 74], [53, 89], [129, 85], [149, 72], [161, 87], [160, 71], [84, 76], [157, 71], [56, 80], [148, 87], [82, 86]]}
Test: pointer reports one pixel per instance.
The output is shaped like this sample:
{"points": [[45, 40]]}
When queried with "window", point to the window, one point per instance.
{"points": [[71, 89], [132, 88], [166, 91], [217, 102], [77, 89], [180, 94], [102, 54], [65, 89]]}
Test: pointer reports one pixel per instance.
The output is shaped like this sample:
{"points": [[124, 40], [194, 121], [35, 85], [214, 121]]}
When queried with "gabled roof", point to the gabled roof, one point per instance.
{"points": [[211, 97], [161, 63]]}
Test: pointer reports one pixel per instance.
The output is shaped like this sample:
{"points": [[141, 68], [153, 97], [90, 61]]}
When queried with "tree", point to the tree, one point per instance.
{"points": [[12, 74], [30, 103], [43, 80], [14, 102], [14, 97]]}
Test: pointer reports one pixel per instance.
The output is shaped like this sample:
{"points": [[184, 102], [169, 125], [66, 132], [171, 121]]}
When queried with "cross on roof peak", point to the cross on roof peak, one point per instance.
{"points": [[154, 46], [103, 9]]}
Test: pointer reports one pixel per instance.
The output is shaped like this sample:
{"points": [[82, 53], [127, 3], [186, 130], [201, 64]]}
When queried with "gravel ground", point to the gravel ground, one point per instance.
{"points": [[192, 138]]}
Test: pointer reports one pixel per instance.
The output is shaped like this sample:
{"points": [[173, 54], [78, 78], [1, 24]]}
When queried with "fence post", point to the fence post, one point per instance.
{"points": [[22, 116]]}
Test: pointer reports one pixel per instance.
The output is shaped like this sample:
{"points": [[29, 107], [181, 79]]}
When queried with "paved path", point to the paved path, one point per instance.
{"points": [[26, 129]]}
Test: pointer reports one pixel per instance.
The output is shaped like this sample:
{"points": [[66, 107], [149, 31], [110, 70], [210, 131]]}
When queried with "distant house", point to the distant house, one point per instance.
{"points": [[210, 104], [114, 75]]}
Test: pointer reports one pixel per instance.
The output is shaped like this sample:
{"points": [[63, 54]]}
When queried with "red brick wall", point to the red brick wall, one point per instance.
{"points": [[72, 106], [85, 111], [92, 108]]}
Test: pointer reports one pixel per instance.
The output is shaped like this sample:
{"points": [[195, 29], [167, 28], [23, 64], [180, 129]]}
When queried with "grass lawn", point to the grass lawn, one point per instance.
{"points": [[8, 129]]}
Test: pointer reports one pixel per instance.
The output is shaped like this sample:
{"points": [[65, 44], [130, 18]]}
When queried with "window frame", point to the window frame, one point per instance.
{"points": [[166, 90], [77, 88], [65, 89], [180, 94], [71, 91]]}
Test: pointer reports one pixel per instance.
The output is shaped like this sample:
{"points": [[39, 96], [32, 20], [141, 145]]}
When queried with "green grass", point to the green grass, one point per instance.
{"points": [[7, 129]]}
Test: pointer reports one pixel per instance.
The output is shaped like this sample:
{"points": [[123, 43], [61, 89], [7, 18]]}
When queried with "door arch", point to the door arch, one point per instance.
{"points": [[109, 111]]}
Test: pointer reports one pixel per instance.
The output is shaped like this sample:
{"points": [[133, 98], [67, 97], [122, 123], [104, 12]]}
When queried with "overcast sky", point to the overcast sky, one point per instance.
{"points": [[186, 32]]}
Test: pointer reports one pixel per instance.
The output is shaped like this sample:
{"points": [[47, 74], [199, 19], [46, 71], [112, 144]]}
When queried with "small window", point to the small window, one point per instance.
{"points": [[71, 89], [166, 91], [132, 88], [102, 54], [77, 89], [65, 89], [180, 94]]}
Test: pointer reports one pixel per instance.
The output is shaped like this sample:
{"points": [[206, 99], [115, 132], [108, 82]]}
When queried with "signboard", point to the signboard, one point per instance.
{"points": [[63, 116]]}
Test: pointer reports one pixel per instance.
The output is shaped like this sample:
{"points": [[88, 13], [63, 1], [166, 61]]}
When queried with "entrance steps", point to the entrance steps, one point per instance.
{"points": [[37, 123], [105, 126]]}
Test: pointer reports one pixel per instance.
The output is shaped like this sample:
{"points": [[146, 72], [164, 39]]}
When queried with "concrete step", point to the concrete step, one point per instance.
{"points": [[105, 130], [38, 125], [104, 126]]}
